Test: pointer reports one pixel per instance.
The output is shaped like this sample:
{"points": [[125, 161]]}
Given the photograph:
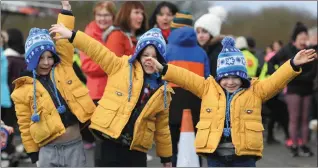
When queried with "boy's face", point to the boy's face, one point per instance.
{"points": [[45, 63], [231, 83], [147, 65]]}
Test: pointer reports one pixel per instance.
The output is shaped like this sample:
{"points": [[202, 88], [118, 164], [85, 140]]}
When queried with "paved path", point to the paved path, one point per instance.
{"points": [[274, 156]]}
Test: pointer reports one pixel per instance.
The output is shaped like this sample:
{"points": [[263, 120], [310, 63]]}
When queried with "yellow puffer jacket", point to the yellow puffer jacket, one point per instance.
{"points": [[114, 109], [50, 126], [246, 119]]}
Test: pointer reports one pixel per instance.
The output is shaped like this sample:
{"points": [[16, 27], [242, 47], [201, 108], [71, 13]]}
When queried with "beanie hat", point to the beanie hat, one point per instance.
{"points": [[181, 19], [250, 42], [231, 62], [241, 43], [299, 28], [151, 37], [212, 21], [37, 43]]}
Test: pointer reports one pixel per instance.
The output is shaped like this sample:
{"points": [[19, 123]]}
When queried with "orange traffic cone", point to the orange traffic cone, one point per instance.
{"points": [[187, 156]]}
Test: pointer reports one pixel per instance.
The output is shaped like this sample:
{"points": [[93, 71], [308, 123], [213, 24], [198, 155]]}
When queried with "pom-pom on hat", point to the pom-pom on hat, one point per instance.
{"points": [[212, 21], [231, 62]]}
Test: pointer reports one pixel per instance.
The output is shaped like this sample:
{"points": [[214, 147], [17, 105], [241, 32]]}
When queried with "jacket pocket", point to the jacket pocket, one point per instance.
{"points": [[254, 135], [149, 135], [202, 135], [105, 113], [82, 98], [39, 130]]}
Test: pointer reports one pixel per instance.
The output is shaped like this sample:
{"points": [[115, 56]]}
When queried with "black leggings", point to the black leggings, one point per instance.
{"points": [[278, 113]]}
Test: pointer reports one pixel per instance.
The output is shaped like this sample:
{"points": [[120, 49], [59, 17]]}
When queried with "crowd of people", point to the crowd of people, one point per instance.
{"points": [[121, 85]]}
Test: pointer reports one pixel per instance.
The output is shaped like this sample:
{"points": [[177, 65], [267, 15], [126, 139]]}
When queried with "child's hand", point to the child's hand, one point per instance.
{"points": [[63, 32], [66, 5], [8, 128], [156, 65], [305, 56]]}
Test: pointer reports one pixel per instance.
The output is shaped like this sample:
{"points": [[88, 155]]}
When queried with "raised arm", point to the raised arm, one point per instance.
{"points": [[89, 67], [185, 79], [63, 47], [107, 60], [269, 87]]}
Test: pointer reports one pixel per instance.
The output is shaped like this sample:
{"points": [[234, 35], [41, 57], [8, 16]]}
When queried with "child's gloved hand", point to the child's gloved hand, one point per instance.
{"points": [[305, 56]]}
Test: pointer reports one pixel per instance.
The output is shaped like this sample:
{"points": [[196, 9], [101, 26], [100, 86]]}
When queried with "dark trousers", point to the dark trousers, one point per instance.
{"points": [[85, 132], [116, 155], [278, 113], [231, 161]]}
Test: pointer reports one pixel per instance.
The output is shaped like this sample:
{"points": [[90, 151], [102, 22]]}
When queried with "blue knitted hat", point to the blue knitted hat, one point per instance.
{"points": [[151, 37], [231, 61], [39, 41]]}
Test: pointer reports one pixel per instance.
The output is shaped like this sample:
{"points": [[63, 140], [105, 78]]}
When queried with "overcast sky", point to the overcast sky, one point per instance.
{"points": [[255, 5]]}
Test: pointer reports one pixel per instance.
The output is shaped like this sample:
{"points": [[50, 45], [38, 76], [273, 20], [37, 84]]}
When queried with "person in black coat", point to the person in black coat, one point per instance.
{"points": [[299, 91]]}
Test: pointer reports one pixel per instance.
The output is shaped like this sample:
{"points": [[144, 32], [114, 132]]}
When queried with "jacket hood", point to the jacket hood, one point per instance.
{"points": [[184, 36], [151, 37]]}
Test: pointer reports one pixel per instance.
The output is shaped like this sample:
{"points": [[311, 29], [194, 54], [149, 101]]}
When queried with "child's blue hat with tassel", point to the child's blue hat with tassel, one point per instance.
{"points": [[231, 62], [151, 37], [39, 41]]}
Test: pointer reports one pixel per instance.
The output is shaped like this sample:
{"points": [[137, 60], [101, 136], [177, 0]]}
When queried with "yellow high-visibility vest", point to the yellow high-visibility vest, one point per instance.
{"points": [[251, 63]]}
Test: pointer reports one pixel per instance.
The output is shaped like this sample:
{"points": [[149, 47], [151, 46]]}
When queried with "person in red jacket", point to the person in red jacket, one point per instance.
{"points": [[104, 14], [130, 23]]}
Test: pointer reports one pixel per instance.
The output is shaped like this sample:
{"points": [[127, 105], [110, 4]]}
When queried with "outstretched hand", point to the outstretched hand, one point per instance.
{"points": [[305, 56], [64, 33]]}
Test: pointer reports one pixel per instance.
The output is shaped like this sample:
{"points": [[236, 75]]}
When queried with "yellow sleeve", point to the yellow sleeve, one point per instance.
{"points": [[24, 113], [63, 47], [185, 79], [272, 85], [100, 54], [162, 135]]}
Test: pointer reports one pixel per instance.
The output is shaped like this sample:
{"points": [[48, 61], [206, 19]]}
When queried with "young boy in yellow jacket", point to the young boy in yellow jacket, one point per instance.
{"points": [[230, 130], [134, 108], [50, 100]]}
